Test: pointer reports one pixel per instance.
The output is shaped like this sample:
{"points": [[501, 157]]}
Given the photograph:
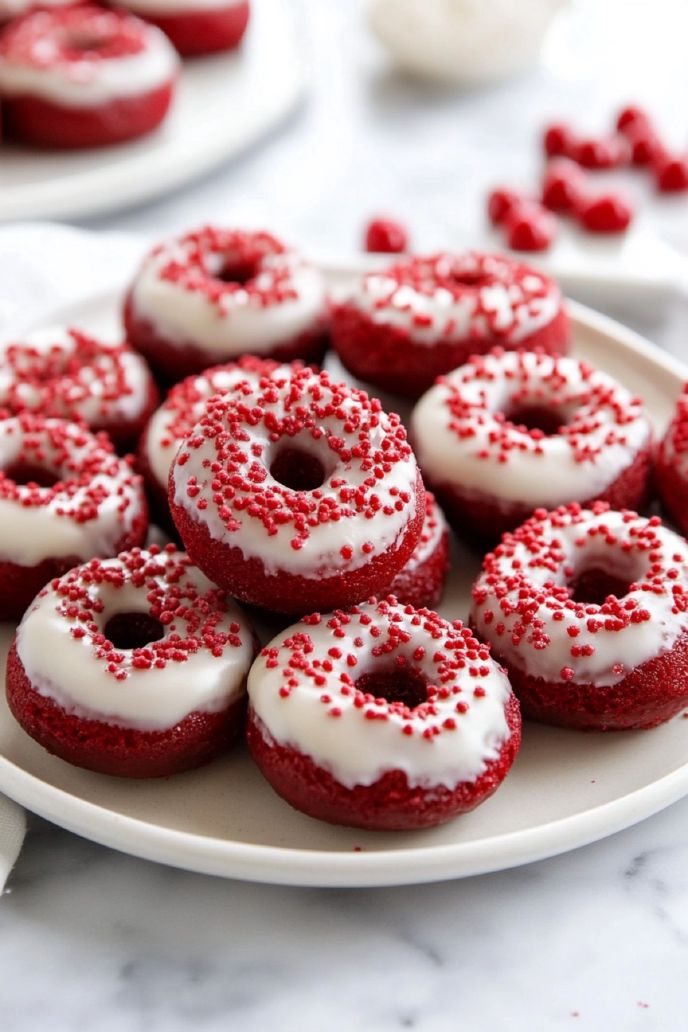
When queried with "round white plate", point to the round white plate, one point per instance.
{"points": [[224, 104], [566, 789]]}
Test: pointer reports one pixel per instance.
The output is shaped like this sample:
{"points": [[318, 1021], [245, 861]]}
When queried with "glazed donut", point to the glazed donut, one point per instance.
{"points": [[133, 666], [69, 374], [196, 26], [84, 77], [588, 611], [512, 431], [297, 494], [384, 717], [182, 408], [403, 327], [213, 295], [64, 498], [420, 582], [671, 465]]}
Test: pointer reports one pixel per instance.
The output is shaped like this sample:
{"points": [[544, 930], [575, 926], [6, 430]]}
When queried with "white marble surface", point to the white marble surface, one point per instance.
{"points": [[597, 939]]}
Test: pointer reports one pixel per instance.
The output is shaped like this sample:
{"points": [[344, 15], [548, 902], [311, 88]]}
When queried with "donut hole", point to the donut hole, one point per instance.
{"points": [[84, 41], [592, 585], [236, 270], [469, 278], [396, 684], [133, 630], [537, 417], [30, 473], [297, 468]]}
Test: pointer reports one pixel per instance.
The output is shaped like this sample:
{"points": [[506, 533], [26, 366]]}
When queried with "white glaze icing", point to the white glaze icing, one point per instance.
{"points": [[69, 671], [235, 324], [31, 533], [320, 554], [358, 750], [161, 441], [90, 82], [87, 395], [538, 473], [508, 308], [624, 648]]}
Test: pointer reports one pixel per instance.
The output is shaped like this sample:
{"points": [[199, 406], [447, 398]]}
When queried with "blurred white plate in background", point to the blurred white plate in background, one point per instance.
{"points": [[224, 104]]}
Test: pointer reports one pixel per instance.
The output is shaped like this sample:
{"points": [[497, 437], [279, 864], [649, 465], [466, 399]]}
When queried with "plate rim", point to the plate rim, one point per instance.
{"points": [[287, 865]]}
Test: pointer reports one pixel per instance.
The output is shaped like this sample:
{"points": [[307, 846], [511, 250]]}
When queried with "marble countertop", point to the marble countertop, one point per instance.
{"points": [[596, 939]]}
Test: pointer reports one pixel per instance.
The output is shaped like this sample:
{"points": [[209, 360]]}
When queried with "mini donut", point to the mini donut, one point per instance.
{"points": [[588, 611], [76, 77], [196, 26], [385, 717], [297, 493], [70, 374], [213, 295], [182, 408], [403, 327], [420, 582], [671, 465], [64, 498], [512, 431], [134, 666]]}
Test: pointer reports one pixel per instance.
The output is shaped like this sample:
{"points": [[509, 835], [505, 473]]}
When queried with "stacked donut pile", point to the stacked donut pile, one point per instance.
{"points": [[299, 496], [78, 75]]}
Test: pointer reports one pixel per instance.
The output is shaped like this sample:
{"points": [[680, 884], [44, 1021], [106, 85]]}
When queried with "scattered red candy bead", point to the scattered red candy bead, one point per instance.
{"points": [[563, 185], [671, 173], [558, 140], [606, 213], [632, 117], [386, 236], [501, 202], [646, 147], [530, 227], [609, 152]]}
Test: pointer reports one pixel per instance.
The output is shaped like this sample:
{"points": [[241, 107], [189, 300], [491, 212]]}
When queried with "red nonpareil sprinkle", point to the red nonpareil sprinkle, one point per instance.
{"points": [[191, 618], [671, 173], [60, 380], [43, 39], [500, 204], [304, 407], [606, 213], [77, 460], [559, 140], [222, 264], [392, 651], [530, 227]]}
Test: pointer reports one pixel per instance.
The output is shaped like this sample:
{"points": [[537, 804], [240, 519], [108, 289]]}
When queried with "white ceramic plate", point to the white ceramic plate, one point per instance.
{"points": [[224, 104], [566, 789]]}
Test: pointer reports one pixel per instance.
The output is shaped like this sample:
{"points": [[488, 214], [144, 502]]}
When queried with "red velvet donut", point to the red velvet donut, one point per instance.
{"points": [[196, 26], [84, 77], [213, 295], [671, 465], [384, 717], [403, 327], [588, 611], [182, 408], [513, 431], [420, 582], [71, 375], [64, 497], [134, 666], [298, 493]]}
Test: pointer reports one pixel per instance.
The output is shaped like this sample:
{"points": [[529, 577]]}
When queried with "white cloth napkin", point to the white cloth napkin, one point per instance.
{"points": [[44, 267]]}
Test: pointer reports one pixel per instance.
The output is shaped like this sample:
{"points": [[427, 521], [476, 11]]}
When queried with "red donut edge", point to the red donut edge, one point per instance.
{"points": [[389, 804], [111, 749]]}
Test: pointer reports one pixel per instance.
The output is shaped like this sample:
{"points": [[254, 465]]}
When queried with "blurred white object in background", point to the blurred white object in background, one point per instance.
{"points": [[462, 41]]}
